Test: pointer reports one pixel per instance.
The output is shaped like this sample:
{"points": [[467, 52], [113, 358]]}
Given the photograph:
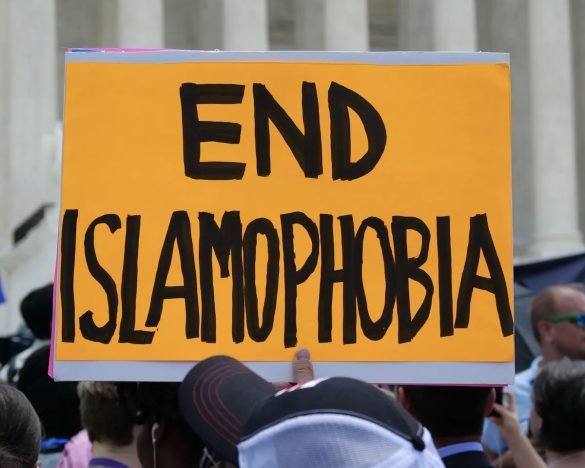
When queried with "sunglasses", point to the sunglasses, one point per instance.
{"points": [[577, 319]]}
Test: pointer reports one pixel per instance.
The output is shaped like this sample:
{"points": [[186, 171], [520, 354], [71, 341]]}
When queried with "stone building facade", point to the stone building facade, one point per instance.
{"points": [[546, 40]]}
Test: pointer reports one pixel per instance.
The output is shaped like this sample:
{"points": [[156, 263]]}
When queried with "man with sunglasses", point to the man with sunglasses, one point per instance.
{"points": [[557, 316]]}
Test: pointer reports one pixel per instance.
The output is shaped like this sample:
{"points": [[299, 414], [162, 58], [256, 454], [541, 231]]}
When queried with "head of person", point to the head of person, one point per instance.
{"points": [[56, 403], [20, 430], [164, 438], [339, 422], [37, 311], [449, 412], [103, 415], [557, 316], [559, 401]]}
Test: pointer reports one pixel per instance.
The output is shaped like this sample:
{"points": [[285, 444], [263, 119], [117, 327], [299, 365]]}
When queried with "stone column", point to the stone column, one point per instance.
{"points": [[577, 16], [455, 26], [346, 25], [503, 26], [31, 74], [233, 24], [4, 125], [437, 25], [331, 25], [5, 184], [140, 23], [33, 95], [245, 25], [553, 129]]}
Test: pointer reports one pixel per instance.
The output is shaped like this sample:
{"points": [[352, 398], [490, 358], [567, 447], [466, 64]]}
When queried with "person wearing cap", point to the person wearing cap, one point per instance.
{"points": [[454, 415], [166, 440], [557, 315], [332, 422]]}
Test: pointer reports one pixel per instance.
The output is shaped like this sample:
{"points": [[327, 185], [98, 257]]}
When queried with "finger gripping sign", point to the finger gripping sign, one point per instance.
{"points": [[356, 204]]}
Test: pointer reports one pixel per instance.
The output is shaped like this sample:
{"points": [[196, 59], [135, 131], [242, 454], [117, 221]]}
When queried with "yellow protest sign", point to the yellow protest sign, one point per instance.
{"points": [[248, 207]]}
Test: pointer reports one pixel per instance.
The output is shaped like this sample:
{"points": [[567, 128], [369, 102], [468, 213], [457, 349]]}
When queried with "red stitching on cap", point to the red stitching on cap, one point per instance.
{"points": [[218, 417], [213, 416]]}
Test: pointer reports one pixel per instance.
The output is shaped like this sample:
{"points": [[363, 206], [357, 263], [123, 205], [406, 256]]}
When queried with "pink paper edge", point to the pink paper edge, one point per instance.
{"points": [[53, 320]]}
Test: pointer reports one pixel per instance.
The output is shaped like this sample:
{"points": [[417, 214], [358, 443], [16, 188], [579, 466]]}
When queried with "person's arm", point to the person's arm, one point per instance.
{"points": [[521, 449]]}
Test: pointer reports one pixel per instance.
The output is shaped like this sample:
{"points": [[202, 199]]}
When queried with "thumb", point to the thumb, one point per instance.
{"points": [[302, 366]]}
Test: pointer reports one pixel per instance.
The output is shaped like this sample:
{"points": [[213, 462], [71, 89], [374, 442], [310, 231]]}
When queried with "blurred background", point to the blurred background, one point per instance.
{"points": [[545, 38]]}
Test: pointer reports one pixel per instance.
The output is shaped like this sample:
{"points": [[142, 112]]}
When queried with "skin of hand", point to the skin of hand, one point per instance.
{"points": [[521, 449], [302, 368], [507, 422]]}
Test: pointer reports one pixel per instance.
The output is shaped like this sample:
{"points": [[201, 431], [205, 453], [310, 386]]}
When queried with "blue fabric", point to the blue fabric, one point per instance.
{"points": [[540, 274], [50, 460], [462, 447], [2, 298], [522, 390], [53, 444], [106, 463]]}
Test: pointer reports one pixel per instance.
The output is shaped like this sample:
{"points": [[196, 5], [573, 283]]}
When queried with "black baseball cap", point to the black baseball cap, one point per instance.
{"points": [[224, 403], [216, 398]]}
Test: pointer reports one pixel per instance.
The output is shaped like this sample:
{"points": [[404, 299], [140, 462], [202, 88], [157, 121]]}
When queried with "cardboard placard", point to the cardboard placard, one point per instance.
{"points": [[247, 204]]}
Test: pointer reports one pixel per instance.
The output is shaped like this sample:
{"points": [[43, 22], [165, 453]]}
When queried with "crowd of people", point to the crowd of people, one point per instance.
{"points": [[224, 415]]}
